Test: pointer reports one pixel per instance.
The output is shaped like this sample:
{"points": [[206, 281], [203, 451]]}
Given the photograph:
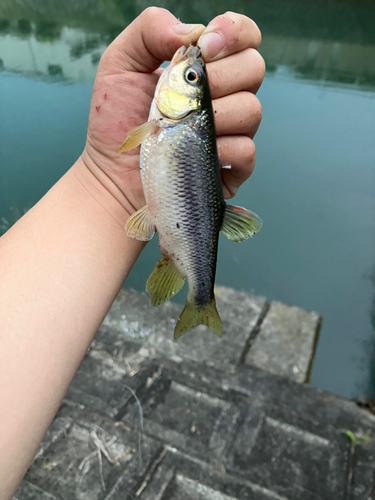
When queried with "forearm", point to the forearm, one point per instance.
{"points": [[62, 265]]}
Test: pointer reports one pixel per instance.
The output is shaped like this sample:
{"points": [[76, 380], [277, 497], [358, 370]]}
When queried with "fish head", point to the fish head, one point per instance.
{"points": [[181, 86]]}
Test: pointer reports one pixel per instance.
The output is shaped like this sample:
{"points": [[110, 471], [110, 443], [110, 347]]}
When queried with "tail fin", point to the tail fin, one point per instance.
{"points": [[193, 316]]}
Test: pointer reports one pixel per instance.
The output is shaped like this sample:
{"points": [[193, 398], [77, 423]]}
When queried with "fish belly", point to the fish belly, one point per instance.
{"points": [[181, 180]]}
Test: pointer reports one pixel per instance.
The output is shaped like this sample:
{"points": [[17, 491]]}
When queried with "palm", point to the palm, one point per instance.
{"points": [[120, 102], [125, 85]]}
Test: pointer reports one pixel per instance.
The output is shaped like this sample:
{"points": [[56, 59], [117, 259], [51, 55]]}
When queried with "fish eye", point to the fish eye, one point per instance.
{"points": [[191, 75]]}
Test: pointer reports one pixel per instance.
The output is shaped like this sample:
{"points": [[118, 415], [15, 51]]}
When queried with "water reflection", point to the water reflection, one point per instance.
{"points": [[312, 40], [324, 62], [68, 53], [313, 189]]}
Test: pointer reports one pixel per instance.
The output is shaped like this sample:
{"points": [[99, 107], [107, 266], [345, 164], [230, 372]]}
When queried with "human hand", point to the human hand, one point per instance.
{"points": [[125, 83]]}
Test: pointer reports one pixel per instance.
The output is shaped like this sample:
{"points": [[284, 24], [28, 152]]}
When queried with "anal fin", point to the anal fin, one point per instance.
{"points": [[164, 281], [139, 226], [239, 223]]}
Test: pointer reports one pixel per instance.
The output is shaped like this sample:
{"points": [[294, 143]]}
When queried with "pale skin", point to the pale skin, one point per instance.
{"points": [[64, 262]]}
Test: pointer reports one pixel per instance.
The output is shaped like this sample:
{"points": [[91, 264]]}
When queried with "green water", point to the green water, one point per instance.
{"points": [[315, 176]]}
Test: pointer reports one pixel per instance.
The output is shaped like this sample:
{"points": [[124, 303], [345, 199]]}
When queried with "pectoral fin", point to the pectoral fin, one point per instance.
{"points": [[164, 281], [239, 223], [139, 134], [139, 226]]}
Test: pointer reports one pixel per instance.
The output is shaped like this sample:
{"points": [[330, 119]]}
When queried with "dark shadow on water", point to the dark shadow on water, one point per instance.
{"points": [[24, 28], [55, 70], [4, 26], [86, 46], [47, 31]]}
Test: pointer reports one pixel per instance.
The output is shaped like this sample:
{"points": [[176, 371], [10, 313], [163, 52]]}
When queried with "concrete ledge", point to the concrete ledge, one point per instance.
{"points": [[207, 434], [214, 425], [277, 338], [285, 344], [135, 319]]}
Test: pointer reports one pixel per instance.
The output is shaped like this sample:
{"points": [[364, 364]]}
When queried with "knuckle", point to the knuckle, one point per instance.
{"points": [[105, 59], [257, 33], [256, 62], [151, 12], [241, 22], [231, 192], [252, 110], [249, 152], [232, 24], [233, 17], [251, 104], [256, 69], [260, 63], [256, 108], [104, 56]]}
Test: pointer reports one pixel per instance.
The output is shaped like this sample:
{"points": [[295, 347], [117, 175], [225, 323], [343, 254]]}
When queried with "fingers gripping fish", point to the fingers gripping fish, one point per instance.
{"points": [[184, 196]]}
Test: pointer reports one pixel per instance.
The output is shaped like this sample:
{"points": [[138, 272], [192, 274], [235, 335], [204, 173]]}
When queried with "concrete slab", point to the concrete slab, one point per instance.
{"points": [[146, 417], [286, 341], [208, 434], [137, 320]]}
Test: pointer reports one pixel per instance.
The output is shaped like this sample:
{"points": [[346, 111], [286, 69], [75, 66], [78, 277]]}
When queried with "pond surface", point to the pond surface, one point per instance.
{"points": [[314, 185]]}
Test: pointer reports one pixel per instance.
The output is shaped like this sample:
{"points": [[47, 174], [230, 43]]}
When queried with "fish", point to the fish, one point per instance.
{"points": [[182, 185]]}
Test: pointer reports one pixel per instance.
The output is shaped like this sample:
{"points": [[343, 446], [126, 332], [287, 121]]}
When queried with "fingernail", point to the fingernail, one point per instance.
{"points": [[211, 44], [185, 29]]}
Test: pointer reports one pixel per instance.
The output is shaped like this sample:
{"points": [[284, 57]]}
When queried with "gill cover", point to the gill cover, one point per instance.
{"points": [[180, 87]]}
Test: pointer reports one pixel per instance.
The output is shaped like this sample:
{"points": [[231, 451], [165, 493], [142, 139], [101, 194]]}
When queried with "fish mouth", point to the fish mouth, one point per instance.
{"points": [[184, 53]]}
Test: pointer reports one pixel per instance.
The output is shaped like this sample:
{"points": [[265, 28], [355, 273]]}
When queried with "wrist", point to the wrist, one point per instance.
{"points": [[101, 187], [106, 210]]}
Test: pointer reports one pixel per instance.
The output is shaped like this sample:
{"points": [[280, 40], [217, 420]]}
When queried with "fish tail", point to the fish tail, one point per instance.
{"points": [[194, 315]]}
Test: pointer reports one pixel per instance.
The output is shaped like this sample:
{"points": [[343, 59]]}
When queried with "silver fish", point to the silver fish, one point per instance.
{"points": [[184, 196]]}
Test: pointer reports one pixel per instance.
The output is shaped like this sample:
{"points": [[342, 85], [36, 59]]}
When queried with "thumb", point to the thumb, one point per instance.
{"points": [[152, 38]]}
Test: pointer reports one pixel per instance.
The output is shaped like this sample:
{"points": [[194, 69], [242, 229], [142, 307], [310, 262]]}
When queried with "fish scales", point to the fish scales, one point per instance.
{"points": [[183, 191], [181, 177]]}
